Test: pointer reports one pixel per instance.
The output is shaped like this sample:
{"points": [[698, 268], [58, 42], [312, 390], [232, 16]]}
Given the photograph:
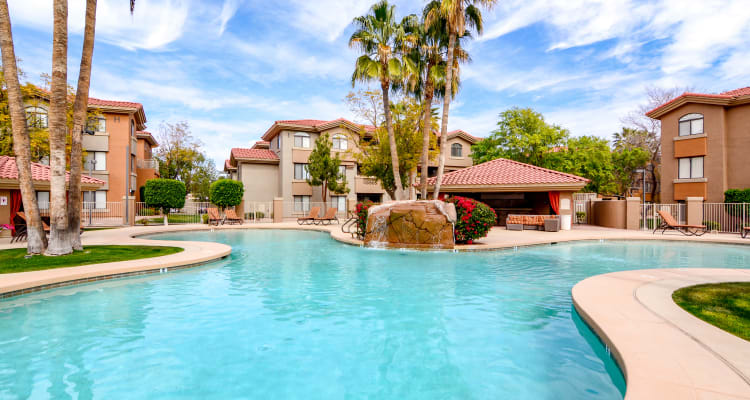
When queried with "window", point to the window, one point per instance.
{"points": [[95, 199], [132, 128], [302, 139], [95, 161], [691, 167], [342, 172], [300, 171], [339, 203], [691, 124], [97, 124], [340, 142], [36, 117], [278, 142], [301, 203], [42, 200], [456, 150]]}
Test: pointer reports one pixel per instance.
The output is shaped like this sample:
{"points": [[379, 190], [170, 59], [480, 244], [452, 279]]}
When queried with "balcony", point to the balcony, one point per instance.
{"points": [[147, 164]]}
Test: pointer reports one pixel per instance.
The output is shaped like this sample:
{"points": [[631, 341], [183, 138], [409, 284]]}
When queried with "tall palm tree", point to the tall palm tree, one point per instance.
{"points": [[80, 109], [382, 39], [58, 130], [457, 16], [426, 64], [37, 241]]}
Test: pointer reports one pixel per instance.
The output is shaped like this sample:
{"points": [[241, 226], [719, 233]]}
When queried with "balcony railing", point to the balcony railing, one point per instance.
{"points": [[148, 164]]}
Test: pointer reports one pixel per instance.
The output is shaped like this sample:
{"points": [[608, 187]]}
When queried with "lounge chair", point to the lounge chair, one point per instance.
{"points": [[328, 218], [230, 217], [668, 222], [20, 224], [213, 217], [310, 218], [745, 231]]}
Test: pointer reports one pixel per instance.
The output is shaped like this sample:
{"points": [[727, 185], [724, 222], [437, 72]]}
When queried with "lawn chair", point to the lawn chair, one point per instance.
{"points": [[669, 223], [213, 217], [230, 217], [328, 218], [310, 218], [745, 231], [22, 233]]}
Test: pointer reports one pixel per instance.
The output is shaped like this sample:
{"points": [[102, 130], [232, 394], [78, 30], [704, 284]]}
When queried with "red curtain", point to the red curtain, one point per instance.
{"points": [[554, 201], [15, 205]]}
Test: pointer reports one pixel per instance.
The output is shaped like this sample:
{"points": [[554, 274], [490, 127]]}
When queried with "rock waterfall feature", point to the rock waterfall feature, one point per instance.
{"points": [[426, 224]]}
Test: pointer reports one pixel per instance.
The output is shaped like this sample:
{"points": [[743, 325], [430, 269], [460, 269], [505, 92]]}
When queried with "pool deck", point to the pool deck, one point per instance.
{"points": [[665, 352]]}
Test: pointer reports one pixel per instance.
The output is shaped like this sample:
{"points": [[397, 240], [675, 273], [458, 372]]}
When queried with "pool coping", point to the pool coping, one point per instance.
{"points": [[664, 351]]}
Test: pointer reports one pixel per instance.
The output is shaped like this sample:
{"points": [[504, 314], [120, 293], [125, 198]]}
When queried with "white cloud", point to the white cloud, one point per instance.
{"points": [[153, 25], [227, 12], [326, 18]]}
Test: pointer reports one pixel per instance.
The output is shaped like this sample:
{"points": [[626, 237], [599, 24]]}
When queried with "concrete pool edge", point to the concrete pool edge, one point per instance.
{"points": [[663, 351]]}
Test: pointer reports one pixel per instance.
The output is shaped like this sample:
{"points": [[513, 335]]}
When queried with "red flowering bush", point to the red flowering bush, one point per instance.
{"points": [[361, 211], [473, 219]]}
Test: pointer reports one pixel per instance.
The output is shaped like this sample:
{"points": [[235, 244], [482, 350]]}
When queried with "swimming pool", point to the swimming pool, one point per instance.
{"points": [[294, 314]]}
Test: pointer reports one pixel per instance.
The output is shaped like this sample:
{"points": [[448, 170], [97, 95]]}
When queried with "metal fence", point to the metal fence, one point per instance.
{"points": [[582, 203], [299, 209], [258, 211], [726, 217], [109, 213], [650, 218], [191, 213]]}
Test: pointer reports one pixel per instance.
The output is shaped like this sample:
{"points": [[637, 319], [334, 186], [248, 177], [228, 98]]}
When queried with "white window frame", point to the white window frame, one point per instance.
{"points": [[42, 199], [302, 203], [691, 167], [339, 203], [342, 172], [36, 117], [340, 142], [99, 200], [101, 161], [302, 140], [303, 175], [690, 124], [460, 150]]}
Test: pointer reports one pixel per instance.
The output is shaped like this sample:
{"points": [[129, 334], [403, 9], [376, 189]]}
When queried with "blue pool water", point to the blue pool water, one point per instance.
{"points": [[297, 315]]}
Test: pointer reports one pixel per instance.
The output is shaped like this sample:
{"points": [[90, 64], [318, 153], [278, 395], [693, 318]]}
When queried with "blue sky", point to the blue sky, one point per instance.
{"points": [[232, 67]]}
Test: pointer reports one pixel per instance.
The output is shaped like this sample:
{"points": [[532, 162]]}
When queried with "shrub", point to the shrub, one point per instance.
{"points": [[165, 194], [146, 212], [204, 217], [361, 211], [737, 196], [226, 193], [580, 216], [712, 225], [473, 219]]}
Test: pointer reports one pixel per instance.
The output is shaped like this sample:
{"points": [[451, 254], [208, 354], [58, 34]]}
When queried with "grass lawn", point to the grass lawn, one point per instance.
{"points": [[12, 260], [724, 305]]}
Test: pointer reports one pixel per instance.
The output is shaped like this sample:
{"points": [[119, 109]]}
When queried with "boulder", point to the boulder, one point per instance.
{"points": [[411, 224]]}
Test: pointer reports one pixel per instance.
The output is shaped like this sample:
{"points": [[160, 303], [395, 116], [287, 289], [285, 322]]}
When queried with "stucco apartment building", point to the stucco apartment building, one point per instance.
{"points": [[705, 142], [118, 149], [275, 166]]}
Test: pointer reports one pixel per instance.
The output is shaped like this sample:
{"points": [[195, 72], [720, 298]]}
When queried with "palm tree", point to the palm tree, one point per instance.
{"points": [[381, 39], [37, 241], [456, 15], [426, 62], [80, 108], [58, 130]]}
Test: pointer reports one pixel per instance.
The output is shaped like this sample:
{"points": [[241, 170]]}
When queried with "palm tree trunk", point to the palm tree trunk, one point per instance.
{"points": [[412, 181], [444, 118], [36, 241], [79, 122], [58, 129], [426, 131], [385, 86]]}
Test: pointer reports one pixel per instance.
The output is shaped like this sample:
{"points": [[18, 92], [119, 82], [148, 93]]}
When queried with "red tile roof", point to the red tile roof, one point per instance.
{"points": [[228, 165], [261, 144], [39, 172], [147, 136], [725, 96], [113, 103], [261, 154], [304, 122], [506, 172]]}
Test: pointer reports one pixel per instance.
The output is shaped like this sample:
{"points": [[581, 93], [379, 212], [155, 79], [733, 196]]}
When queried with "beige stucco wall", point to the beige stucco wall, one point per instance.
{"points": [[458, 162], [727, 142], [5, 212], [610, 213], [260, 181]]}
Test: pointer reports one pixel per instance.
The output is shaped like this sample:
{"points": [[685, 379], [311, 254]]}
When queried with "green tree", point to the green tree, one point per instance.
{"points": [[227, 193], [381, 39], [456, 16], [375, 152], [165, 194], [586, 156], [180, 158], [522, 135], [624, 164], [323, 169]]}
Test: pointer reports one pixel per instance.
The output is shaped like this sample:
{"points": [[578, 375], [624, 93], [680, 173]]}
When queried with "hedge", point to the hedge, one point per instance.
{"points": [[165, 194]]}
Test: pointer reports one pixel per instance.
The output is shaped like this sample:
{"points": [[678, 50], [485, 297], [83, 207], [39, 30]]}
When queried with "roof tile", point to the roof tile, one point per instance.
{"points": [[39, 172], [506, 172], [261, 154]]}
